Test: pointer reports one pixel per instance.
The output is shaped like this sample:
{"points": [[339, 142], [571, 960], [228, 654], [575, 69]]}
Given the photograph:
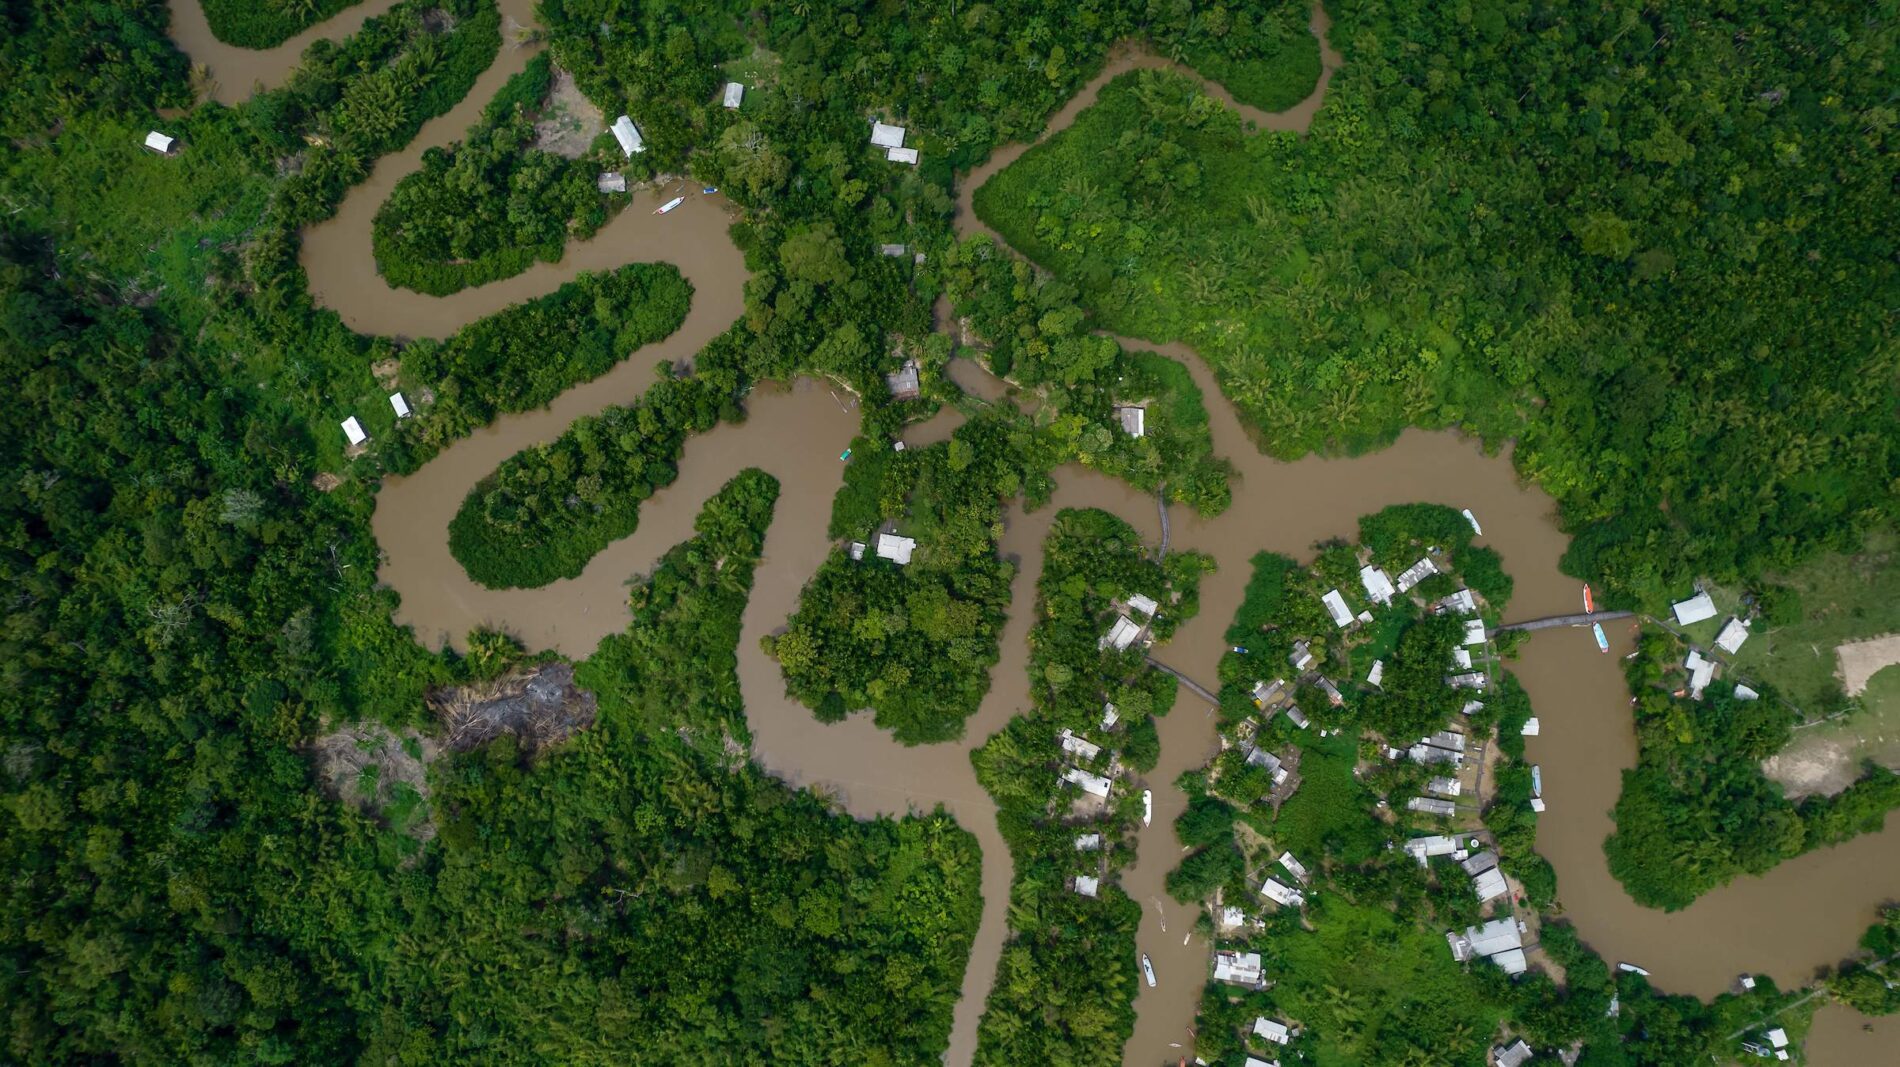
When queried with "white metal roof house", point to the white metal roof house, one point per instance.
{"points": [[1377, 673], [1734, 632], [1134, 420], [1088, 842], [1087, 884], [885, 136], [901, 155], [1378, 585], [1694, 609], [1240, 968], [1144, 604], [856, 549], [1445, 787], [1077, 746], [1489, 884], [159, 143], [1093, 784], [735, 94], [1284, 895], [1255, 1061], [1293, 866], [1297, 717], [1336, 607], [1431, 806], [1271, 1030], [1461, 659], [905, 382], [1416, 573], [896, 549], [1701, 673], [402, 406], [1301, 657], [1476, 865], [353, 431], [1498, 935], [1474, 632], [1515, 1056], [1469, 680], [1121, 635], [1110, 716], [629, 137], [1459, 603], [1743, 692], [1420, 848]]}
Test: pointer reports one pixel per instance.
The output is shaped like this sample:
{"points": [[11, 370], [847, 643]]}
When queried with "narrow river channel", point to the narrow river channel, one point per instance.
{"points": [[1801, 915]]}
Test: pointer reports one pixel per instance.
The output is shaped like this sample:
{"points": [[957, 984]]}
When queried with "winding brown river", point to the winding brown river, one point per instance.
{"points": [[1803, 914]]}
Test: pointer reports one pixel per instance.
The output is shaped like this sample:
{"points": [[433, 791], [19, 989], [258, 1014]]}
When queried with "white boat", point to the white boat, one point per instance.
{"points": [[669, 205], [1537, 780], [1148, 970], [1147, 806], [1473, 520], [1632, 968]]}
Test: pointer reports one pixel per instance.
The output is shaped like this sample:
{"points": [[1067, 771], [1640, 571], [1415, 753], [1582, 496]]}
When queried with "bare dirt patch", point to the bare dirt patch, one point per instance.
{"points": [[570, 122], [1860, 660], [379, 772], [1812, 767], [540, 706]]}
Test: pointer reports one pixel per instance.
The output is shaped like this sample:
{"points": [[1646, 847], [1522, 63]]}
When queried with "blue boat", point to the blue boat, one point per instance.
{"points": [[1603, 643]]}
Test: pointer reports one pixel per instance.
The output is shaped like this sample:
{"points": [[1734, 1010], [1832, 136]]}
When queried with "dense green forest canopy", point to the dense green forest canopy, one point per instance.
{"points": [[1653, 244]]}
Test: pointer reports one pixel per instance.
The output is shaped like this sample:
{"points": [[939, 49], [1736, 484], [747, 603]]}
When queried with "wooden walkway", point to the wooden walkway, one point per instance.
{"points": [[1568, 620], [1193, 686]]}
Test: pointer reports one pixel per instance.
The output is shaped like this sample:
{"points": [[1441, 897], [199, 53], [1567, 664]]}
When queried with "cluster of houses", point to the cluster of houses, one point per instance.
{"points": [[357, 437], [1702, 668], [891, 140], [1127, 631], [1082, 756]]}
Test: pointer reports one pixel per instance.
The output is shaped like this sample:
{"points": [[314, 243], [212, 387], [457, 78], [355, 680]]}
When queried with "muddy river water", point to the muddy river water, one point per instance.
{"points": [[1804, 914]]}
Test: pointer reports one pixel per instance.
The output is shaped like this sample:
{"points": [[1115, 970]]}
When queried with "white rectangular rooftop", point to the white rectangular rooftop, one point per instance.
{"points": [[885, 136], [402, 406], [1378, 584], [735, 94], [1474, 632], [1336, 607], [159, 143], [1734, 632], [1282, 894], [1134, 420], [1489, 884], [1087, 884], [1093, 784], [901, 155], [353, 431], [1694, 609], [1144, 604], [1416, 573], [1077, 746], [1121, 635], [628, 135], [896, 549], [1271, 1030]]}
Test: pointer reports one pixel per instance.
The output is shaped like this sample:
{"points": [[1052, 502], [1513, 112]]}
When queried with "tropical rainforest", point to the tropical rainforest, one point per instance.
{"points": [[1652, 244]]}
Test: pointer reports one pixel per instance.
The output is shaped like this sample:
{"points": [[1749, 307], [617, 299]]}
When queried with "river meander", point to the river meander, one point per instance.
{"points": [[1803, 914]]}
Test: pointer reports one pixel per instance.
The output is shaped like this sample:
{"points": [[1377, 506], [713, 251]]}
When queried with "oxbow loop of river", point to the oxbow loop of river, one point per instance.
{"points": [[1803, 914]]}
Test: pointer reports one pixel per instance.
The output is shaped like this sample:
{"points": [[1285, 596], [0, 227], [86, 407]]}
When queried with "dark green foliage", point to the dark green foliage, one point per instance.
{"points": [[1615, 265], [1414, 699], [1261, 53], [1265, 599], [1205, 822], [491, 205], [548, 510], [914, 642], [59, 58], [266, 23], [1696, 809], [526, 356], [1200, 873]]}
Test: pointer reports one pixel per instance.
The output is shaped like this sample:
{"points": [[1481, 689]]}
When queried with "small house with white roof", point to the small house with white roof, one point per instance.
{"points": [[160, 143], [1092, 784], [1701, 673], [629, 137], [1416, 573], [1272, 1030], [1336, 607], [1734, 632], [735, 95], [1076, 746], [1694, 609], [353, 432], [1121, 635], [1134, 419], [400, 405], [1144, 604], [1378, 584], [896, 549], [1238, 968]]}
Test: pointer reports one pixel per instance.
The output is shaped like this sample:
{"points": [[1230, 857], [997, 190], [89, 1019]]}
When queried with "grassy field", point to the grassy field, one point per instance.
{"points": [[1844, 598]]}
